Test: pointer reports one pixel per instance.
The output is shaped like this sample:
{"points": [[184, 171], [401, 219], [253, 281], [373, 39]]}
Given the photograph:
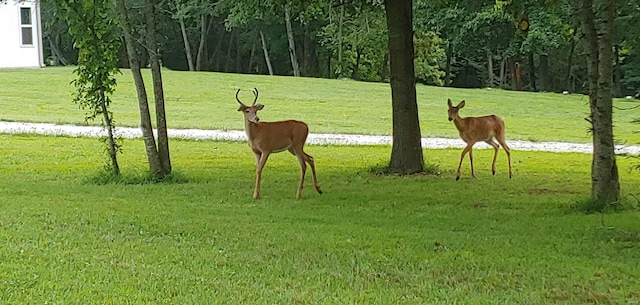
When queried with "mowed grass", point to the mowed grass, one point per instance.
{"points": [[206, 100], [367, 240]]}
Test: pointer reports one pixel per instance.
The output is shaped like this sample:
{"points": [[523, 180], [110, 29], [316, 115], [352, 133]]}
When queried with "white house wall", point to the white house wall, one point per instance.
{"points": [[13, 53]]}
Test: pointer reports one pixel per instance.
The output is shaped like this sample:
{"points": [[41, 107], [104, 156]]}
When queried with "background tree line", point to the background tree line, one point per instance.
{"points": [[477, 43]]}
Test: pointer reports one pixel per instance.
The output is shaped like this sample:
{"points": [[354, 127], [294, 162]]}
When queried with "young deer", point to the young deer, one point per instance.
{"points": [[475, 129], [271, 137]]}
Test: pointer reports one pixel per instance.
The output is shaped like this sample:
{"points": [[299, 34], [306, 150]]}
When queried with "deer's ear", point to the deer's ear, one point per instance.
{"points": [[461, 104], [241, 108], [449, 102], [259, 106]]}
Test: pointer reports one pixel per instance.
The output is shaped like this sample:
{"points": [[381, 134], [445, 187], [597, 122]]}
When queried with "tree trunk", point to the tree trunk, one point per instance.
{"points": [[60, 59], [567, 79], [158, 92], [134, 62], [227, 62], [605, 186], [447, 67], [266, 53], [340, 22], [617, 72], [490, 74], [292, 43], [187, 46], [204, 30], [545, 77], [406, 151], [503, 70], [532, 73]]}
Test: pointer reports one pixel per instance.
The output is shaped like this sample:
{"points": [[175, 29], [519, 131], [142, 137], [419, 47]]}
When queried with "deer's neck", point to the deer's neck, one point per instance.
{"points": [[460, 123], [251, 129]]}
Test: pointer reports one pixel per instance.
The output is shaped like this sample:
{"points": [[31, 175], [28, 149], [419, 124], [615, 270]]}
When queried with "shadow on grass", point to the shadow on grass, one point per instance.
{"points": [[429, 169], [105, 177]]}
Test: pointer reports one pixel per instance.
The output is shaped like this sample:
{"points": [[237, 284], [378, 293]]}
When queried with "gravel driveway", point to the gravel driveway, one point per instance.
{"points": [[314, 138]]}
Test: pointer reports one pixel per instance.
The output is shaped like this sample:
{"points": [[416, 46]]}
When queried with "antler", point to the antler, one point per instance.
{"points": [[255, 93], [237, 99]]}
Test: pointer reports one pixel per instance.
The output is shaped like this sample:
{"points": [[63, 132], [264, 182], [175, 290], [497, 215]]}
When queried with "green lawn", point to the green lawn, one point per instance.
{"points": [[368, 240], [206, 100]]}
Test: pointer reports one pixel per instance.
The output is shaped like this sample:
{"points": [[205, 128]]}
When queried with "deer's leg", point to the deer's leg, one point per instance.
{"points": [[309, 160], [464, 152], [473, 172], [495, 155], [261, 163], [507, 150], [303, 169]]}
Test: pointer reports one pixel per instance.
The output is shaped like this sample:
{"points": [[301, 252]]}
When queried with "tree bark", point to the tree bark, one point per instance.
{"points": [[406, 151], [292, 43], [532, 73], [447, 67], [545, 78], [187, 46], [490, 75], [204, 30], [266, 53], [598, 30], [134, 62], [567, 79], [158, 92]]}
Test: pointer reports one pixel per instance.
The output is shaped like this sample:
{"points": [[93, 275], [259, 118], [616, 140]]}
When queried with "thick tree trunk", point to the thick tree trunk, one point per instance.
{"points": [[605, 186], [158, 92], [134, 62], [266, 53], [406, 151], [292, 43], [545, 77], [187, 46]]}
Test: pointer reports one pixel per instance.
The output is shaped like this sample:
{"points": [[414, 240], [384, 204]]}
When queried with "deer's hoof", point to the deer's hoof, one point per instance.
{"points": [[457, 178]]}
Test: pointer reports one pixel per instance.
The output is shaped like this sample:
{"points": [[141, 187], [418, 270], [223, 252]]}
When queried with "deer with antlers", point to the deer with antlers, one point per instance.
{"points": [[475, 129], [265, 138]]}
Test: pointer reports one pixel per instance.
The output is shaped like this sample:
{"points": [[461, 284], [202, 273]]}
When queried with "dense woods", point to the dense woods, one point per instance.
{"points": [[518, 45]]}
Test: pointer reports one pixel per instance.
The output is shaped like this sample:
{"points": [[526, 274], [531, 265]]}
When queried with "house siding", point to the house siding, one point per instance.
{"points": [[13, 54]]}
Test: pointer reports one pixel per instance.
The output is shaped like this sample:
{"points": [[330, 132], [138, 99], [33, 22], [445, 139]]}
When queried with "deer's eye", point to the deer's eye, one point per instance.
{"points": [[247, 111]]}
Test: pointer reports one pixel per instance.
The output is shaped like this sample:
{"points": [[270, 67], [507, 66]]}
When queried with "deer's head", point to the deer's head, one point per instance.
{"points": [[453, 110], [250, 112]]}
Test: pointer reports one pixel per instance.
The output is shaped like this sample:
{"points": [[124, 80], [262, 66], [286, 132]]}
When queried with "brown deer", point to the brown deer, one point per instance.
{"points": [[265, 138], [475, 129]]}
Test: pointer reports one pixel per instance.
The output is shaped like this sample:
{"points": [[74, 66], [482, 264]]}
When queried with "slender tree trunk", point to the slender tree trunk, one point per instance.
{"points": [[292, 43], [406, 151], [598, 30], [204, 30], [266, 53], [617, 72], [490, 74], [187, 46], [503, 70], [447, 67], [532, 73], [60, 59], [567, 79], [227, 62], [134, 62], [340, 38], [158, 92]]}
